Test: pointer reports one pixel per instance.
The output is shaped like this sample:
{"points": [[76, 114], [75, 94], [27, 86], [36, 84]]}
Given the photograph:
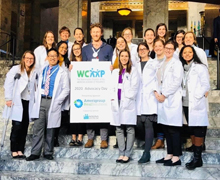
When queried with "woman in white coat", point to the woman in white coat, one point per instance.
{"points": [[161, 32], [178, 38], [190, 39], [195, 85], [147, 102], [169, 96], [126, 80], [128, 35], [41, 51], [64, 62], [23, 100], [149, 36]]}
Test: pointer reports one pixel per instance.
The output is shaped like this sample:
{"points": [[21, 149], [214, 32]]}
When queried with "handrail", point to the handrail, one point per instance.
{"points": [[218, 70], [11, 40]]}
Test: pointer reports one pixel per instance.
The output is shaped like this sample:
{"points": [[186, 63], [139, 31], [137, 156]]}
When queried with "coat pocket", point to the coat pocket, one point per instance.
{"points": [[56, 106], [199, 103], [128, 104]]}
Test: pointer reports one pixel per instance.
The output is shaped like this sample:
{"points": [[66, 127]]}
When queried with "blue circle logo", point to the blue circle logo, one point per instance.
{"points": [[78, 103]]}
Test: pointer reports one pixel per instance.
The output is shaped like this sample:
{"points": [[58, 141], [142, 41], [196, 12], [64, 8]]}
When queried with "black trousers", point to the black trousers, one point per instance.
{"points": [[19, 130], [77, 128], [197, 131], [173, 139]]}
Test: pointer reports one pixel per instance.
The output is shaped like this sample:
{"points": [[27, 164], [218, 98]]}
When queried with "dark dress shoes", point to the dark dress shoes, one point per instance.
{"points": [[22, 156], [119, 161], [49, 157], [163, 160], [170, 163], [15, 157], [32, 157], [126, 161]]}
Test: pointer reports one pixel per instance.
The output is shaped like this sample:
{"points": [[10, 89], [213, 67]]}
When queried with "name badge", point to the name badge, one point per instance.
{"points": [[42, 91], [95, 60], [184, 93]]}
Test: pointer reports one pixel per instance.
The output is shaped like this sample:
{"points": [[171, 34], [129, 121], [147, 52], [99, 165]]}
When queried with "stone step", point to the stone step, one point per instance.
{"points": [[64, 152], [9, 175], [109, 168]]}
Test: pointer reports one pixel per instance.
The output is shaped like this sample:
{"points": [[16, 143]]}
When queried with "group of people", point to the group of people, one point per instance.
{"points": [[160, 81]]}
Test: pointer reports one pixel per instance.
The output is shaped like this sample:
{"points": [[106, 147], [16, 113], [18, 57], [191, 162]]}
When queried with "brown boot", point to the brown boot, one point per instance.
{"points": [[104, 144], [89, 143], [158, 144]]}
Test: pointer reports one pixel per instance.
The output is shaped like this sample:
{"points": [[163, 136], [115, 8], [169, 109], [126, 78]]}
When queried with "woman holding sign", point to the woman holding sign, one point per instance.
{"points": [[76, 128], [126, 85]]}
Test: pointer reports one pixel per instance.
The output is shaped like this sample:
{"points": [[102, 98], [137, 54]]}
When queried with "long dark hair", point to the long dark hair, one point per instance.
{"points": [[195, 57], [72, 55], [166, 34], [129, 64], [65, 56], [126, 45]]}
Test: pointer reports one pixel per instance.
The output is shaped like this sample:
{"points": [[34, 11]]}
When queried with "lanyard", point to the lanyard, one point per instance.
{"points": [[95, 53], [45, 74], [185, 77]]}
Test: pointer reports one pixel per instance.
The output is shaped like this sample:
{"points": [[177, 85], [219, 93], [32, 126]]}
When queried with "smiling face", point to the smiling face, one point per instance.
{"points": [[78, 35], [169, 50], [143, 51], [159, 48], [64, 35], [149, 37], [53, 58], [187, 54], [124, 58], [77, 50], [63, 49], [28, 60], [120, 44], [189, 39], [50, 39], [179, 38], [96, 34], [128, 35], [161, 31]]}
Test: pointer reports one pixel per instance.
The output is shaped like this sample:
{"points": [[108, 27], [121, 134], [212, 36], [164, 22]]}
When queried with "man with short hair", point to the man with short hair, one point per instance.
{"points": [[53, 88], [97, 50]]}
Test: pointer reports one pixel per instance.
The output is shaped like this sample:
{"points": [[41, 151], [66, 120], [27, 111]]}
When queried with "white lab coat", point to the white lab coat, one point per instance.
{"points": [[198, 85], [170, 111], [70, 44], [125, 114], [201, 54], [40, 54], [17, 108], [146, 100], [60, 92]]}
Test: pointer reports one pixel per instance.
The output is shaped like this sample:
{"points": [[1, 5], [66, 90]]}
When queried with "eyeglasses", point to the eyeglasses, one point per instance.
{"points": [[52, 56], [144, 49], [76, 49], [179, 37], [169, 49], [30, 59]]}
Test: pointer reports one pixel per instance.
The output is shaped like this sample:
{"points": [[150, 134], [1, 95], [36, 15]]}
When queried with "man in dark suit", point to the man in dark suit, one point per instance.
{"points": [[216, 28]]}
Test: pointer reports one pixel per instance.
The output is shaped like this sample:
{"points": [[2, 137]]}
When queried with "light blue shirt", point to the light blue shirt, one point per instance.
{"points": [[53, 71]]}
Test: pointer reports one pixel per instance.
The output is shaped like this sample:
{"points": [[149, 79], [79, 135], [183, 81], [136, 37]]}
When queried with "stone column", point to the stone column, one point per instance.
{"points": [[74, 13], [95, 15], [133, 28], [154, 12]]}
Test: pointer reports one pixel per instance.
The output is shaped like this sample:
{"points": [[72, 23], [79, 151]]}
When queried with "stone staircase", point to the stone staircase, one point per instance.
{"points": [[83, 164]]}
